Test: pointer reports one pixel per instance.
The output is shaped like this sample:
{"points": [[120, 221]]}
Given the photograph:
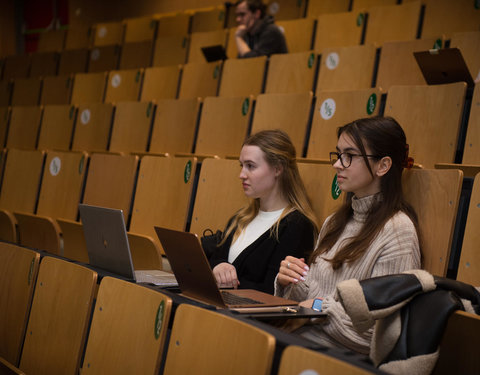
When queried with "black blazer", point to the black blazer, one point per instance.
{"points": [[258, 264]]}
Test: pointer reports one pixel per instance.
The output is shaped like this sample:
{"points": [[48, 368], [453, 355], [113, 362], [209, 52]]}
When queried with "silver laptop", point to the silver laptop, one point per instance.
{"points": [[196, 280], [108, 247]]}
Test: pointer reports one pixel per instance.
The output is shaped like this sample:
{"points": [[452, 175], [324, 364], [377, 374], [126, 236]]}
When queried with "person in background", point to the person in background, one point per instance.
{"points": [[277, 222], [374, 233], [256, 34]]}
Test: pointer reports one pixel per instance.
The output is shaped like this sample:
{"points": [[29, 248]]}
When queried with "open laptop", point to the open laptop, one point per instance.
{"points": [[196, 280], [108, 247], [445, 65], [214, 53]]}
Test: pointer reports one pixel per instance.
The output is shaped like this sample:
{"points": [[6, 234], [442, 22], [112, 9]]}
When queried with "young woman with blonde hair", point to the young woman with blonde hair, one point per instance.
{"points": [[277, 222]]}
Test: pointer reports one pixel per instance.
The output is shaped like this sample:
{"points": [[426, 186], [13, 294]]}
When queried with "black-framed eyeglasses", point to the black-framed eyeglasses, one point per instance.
{"points": [[346, 158]]}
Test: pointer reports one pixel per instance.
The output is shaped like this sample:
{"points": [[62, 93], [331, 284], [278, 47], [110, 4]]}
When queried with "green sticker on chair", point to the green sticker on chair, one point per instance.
{"points": [[221, 15], [371, 103], [311, 60], [152, 24], [335, 189], [81, 164], [149, 109], [137, 77], [187, 173], [72, 111], [245, 106], [299, 3], [159, 320], [360, 19], [477, 4], [438, 44], [215, 72], [30, 273], [184, 42]]}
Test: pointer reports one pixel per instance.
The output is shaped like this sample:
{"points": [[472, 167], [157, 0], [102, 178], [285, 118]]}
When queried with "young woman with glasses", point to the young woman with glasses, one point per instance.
{"points": [[374, 233]]}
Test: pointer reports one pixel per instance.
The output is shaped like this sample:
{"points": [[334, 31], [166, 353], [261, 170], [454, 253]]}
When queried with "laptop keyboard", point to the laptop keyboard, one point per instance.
{"points": [[233, 299]]}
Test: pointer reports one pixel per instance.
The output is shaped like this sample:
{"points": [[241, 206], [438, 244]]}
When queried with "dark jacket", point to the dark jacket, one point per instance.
{"points": [[266, 39], [258, 264]]}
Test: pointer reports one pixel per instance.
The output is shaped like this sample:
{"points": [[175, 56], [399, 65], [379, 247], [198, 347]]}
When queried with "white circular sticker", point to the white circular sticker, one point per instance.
{"points": [[55, 166], [309, 372], [85, 116], [102, 32], [332, 60], [95, 54], [116, 79], [78, 11], [273, 8], [327, 109]]}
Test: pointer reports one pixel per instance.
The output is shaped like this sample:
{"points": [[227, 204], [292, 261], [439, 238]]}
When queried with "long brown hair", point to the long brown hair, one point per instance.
{"points": [[384, 137], [278, 151]]}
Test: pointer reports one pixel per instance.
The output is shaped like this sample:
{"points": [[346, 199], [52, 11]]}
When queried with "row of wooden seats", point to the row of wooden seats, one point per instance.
{"points": [[57, 323], [431, 116], [295, 72], [386, 21]]}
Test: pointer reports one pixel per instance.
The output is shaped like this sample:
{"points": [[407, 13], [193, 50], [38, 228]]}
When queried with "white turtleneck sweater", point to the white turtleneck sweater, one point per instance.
{"points": [[395, 249]]}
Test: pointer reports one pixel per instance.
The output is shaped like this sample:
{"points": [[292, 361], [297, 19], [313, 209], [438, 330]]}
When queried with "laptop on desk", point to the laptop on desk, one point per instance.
{"points": [[196, 280], [108, 248]]}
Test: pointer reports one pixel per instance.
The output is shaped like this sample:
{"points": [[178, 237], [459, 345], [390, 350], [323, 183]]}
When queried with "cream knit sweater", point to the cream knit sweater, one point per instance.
{"points": [[394, 250]]}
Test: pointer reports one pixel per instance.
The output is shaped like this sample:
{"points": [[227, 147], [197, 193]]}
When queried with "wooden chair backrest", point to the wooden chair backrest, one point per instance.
{"points": [[127, 314], [104, 58], [163, 194], [469, 264], [73, 61], [316, 8], [286, 9], [397, 64], [214, 137], [200, 80], [174, 126], [89, 88], [204, 39], [140, 29], [26, 91], [136, 55], [18, 272], [338, 30], [320, 181], [471, 151], [24, 126], [201, 342], [57, 127], [74, 245], [44, 64], [442, 17], [59, 318], [131, 127], [434, 194], [124, 85], [51, 41], [458, 348], [21, 180], [177, 47], [160, 83], [334, 109], [243, 77], [298, 33], [93, 126], [467, 43], [209, 19], [366, 4], [62, 184], [291, 72], [78, 36], [289, 112], [56, 90], [17, 66], [346, 68], [173, 24], [388, 23], [430, 117], [108, 33], [297, 360], [110, 181], [232, 50], [219, 187]]}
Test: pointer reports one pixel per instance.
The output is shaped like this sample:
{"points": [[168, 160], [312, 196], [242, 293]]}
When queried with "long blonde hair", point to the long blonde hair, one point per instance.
{"points": [[278, 151]]}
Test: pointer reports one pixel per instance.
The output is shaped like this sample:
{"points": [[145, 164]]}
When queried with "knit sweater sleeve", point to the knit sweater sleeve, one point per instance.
{"points": [[395, 250]]}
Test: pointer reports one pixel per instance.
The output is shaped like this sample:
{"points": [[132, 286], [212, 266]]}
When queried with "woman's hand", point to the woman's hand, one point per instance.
{"points": [[226, 275], [292, 270]]}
